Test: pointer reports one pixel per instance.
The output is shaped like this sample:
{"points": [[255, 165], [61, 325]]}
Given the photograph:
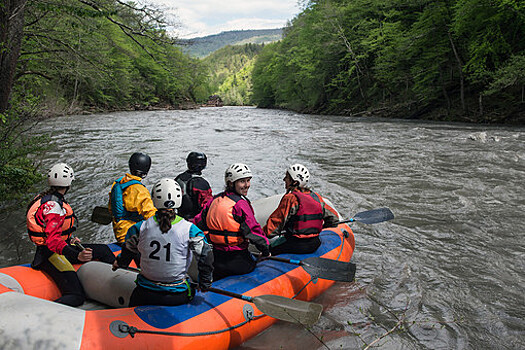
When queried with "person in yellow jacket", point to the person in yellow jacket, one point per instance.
{"points": [[129, 200]]}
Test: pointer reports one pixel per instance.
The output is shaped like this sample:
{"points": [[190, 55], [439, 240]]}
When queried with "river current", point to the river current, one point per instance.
{"points": [[447, 273]]}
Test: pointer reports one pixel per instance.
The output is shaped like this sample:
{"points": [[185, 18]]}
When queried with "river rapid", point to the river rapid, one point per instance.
{"points": [[447, 273]]}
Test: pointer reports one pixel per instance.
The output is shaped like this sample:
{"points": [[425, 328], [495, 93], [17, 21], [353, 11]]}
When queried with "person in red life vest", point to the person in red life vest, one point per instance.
{"points": [[50, 223], [197, 191], [301, 214], [129, 200], [166, 243], [231, 225]]}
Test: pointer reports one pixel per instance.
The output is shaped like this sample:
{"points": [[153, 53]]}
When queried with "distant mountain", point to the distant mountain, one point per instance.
{"points": [[202, 47]]}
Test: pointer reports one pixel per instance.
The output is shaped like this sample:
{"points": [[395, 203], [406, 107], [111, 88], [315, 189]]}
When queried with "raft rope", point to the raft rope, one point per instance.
{"points": [[132, 330]]}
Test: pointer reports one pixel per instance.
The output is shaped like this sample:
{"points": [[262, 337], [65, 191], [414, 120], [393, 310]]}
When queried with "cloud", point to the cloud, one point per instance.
{"points": [[206, 17]]}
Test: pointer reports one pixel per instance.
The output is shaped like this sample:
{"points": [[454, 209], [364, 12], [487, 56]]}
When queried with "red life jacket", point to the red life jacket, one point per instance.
{"points": [[308, 222], [224, 228], [36, 224]]}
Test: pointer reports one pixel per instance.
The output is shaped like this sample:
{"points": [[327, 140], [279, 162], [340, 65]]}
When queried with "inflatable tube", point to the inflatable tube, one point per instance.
{"points": [[28, 319]]}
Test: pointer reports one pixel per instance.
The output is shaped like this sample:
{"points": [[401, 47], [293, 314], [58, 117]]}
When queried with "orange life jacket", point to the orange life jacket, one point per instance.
{"points": [[36, 224], [224, 228]]}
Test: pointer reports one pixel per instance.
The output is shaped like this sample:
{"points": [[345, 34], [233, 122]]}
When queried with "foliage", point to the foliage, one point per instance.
{"points": [[398, 58], [230, 73], [17, 171], [77, 55]]}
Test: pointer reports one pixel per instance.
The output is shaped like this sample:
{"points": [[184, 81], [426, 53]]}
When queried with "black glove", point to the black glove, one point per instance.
{"points": [[204, 286]]}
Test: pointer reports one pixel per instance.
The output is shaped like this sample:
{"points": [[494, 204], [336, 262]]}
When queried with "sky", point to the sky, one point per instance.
{"points": [[198, 18]]}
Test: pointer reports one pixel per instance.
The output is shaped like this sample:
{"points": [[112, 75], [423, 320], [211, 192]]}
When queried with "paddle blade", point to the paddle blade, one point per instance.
{"points": [[290, 310], [101, 215], [329, 269], [374, 216]]}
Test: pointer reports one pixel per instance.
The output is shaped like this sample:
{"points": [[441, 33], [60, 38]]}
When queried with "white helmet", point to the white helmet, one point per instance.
{"points": [[166, 194], [299, 173], [60, 175], [237, 171]]}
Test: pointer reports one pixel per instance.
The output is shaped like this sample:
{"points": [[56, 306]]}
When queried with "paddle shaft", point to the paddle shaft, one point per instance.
{"points": [[230, 294]]}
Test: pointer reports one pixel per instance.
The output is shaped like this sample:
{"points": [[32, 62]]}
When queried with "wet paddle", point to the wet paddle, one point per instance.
{"points": [[101, 215], [285, 309], [327, 269], [371, 216]]}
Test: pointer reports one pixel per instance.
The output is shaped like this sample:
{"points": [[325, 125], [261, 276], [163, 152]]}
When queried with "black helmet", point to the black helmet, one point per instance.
{"points": [[196, 161], [139, 164]]}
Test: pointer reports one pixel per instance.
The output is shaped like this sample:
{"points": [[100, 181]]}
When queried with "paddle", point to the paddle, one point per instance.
{"points": [[285, 309], [101, 215], [371, 216], [327, 269]]}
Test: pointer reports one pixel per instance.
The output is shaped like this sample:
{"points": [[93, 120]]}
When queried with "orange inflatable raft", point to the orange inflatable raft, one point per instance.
{"points": [[29, 319]]}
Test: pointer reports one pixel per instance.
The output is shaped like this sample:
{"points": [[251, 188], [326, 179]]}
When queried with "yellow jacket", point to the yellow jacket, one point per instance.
{"points": [[135, 198]]}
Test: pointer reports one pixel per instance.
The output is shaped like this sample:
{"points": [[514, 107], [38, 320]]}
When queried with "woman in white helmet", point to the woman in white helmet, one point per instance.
{"points": [[50, 222], [231, 225], [301, 214], [164, 242]]}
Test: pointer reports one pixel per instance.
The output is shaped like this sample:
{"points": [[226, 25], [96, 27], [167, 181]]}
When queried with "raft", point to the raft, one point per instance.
{"points": [[30, 319]]}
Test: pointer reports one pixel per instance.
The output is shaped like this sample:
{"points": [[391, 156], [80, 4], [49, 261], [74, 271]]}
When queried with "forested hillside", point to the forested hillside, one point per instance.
{"points": [[201, 47], [449, 60], [230, 71]]}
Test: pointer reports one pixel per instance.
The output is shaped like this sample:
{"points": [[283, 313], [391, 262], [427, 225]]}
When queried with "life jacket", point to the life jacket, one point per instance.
{"points": [[165, 256], [118, 210], [190, 205], [308, 222], [36, 224], [223, 227]]}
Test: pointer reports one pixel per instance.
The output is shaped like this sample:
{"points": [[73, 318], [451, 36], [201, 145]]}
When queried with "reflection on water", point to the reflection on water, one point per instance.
{"points": [[452, 263]]}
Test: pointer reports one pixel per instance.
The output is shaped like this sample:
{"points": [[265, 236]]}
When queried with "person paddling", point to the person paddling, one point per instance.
{"points": [[129, 200], [231, 225], [166, 243], [197, 191], [50, 223], [301, 214]]}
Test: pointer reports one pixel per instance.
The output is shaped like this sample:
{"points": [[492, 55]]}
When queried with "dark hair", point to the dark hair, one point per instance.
{"points": [[164, 218], [295, 185]]}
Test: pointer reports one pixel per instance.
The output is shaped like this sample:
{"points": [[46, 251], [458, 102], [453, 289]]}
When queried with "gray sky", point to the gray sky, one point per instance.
{"points": [[205, 17]]}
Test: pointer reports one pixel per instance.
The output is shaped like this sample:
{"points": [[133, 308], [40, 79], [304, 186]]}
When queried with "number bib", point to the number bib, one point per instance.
{"points": [[164, 257]]}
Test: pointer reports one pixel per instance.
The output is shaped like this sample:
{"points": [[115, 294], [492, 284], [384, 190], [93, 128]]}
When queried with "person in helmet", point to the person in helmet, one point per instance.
{"points": [[50, 223], [164, 242], [231, 225], [129, 200], [197, 191], [301, 214]]}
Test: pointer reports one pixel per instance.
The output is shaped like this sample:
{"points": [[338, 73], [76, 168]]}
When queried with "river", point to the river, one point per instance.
{"points": [[450, 268]]}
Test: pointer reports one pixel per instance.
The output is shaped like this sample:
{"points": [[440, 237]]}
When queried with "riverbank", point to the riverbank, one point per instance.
{"points": [[475, 113]]}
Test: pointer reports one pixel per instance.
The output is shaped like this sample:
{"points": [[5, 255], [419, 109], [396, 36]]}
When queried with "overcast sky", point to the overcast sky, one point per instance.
{"points": [[205, 17]]}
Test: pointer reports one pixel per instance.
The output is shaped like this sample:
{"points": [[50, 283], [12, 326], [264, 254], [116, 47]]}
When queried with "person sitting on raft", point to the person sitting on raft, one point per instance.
{"points": [[50, 222], [129, 200], [197, 191], [165, 242], [301, 214], [231, 225]]}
